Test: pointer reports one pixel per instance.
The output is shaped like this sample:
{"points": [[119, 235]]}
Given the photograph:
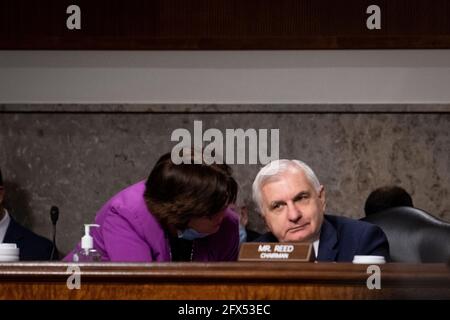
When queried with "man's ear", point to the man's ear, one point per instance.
{"points": [[322, 197]]}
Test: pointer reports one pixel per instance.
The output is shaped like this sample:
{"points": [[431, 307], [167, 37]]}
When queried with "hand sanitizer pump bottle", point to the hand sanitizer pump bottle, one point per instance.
{"points": [[87, 253]]}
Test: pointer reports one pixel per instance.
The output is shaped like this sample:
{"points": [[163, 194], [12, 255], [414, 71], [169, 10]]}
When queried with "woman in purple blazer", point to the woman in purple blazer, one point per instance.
{"points": [[179, 214]]}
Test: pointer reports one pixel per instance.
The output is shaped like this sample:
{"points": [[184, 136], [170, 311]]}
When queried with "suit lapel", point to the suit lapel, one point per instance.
{"points": [[328, 242]]}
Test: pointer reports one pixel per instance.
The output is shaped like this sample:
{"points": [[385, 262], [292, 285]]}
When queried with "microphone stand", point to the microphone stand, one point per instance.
{"points": [[54, 215]]}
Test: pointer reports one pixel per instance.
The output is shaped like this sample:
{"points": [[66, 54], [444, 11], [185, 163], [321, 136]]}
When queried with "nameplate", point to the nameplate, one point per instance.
{"points": [[272, 251]]}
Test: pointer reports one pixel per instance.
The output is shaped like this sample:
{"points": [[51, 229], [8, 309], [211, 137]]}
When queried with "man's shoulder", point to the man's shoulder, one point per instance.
{"points": [[352, 230], [353, 237], [346, 224], [18, 231]]}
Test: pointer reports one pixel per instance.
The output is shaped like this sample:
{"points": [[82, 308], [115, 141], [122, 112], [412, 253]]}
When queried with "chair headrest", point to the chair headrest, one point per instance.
{"points": [[406, 216]]}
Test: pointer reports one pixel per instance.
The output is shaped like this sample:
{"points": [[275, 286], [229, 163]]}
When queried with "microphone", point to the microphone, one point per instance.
{"points": [[54, 215]]}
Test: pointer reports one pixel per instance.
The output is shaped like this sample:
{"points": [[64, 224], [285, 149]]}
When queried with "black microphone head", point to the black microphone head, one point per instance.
{"points": [[54, 214]]}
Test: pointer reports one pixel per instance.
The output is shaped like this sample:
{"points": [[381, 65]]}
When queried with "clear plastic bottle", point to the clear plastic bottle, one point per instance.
{"points": [[87, 253]]}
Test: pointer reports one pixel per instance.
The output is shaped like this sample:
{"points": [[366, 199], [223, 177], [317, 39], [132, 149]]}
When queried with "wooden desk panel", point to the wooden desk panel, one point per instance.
{"points": [[233, 281]]}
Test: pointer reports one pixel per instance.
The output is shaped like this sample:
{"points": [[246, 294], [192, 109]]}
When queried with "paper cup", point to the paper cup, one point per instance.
{"points": [[6, 258], [369, 260], [9, 252]]}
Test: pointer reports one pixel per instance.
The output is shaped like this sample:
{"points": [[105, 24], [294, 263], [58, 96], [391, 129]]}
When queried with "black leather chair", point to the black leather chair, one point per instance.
{"points": [[414, 235]]}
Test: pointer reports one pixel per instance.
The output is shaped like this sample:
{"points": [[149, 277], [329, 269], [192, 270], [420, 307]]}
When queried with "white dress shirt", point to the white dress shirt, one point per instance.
{"points": [[4, 223], [316, 247]]}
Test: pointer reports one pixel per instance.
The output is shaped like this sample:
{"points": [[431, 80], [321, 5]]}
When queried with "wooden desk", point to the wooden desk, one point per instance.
{"points": [[238, 280]]}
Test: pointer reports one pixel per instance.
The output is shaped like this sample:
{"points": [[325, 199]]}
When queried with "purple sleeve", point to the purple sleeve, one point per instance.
{"points": [[122, 241], [231, 241]]}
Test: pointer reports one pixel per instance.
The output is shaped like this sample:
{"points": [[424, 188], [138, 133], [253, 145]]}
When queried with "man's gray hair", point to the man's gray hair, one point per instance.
{"points": [[272, 172]]}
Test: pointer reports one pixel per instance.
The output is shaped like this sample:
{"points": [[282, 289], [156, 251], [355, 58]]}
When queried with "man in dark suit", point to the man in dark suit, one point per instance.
{"points": [[31, 246], [292, 202]]}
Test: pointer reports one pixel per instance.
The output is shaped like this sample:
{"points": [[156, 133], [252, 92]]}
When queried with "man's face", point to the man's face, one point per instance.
{"points": [[293, 209]]}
